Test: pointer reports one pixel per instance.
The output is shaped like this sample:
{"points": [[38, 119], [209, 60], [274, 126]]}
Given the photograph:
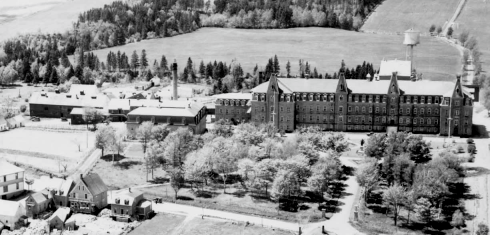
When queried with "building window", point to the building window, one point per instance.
{"points": [[421, 121], [384, 99], [377, 99], [456, 102], [318, 108], [415, 121], [415, 111], [221, 111], [282, 109], [310, 117], [282, 119], [324, 108], [349, 108], [263, 109], [289, 109], [370, 109], [370, 99], [429, 111], [341, 119], [392, 111], [400, 111], [377, 110], [357, 109], [422, 111], [377, 119], [349, 119], [437, 100], [341, 109], [226, 111], [428, 121], [341, 97], [363, 109], [415, 99], [456, 112], [401, 120], [383, 119], [429, 99], [392, 99], [86, 197], [17, 186], [384, 110], [467, 113]]}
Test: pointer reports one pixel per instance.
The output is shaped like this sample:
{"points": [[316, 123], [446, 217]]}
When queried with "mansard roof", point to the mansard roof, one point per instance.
{"points": [[423, 87]]}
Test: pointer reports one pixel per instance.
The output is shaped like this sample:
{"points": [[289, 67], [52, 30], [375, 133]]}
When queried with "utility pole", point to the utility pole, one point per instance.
{"points": [[449, 119]]}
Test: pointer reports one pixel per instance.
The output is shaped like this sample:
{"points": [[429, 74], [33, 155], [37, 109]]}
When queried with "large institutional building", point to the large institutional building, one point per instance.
{"points": [[431, 107]]}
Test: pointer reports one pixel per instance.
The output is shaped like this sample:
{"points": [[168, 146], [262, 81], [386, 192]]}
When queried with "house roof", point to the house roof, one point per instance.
{"points": [[19, 118], [64, 99], [9, 208], [423, 87], [62, 213], [116, 104], [403, 67], [170, 108], [87, 89], [45, 182], [143, 103], [94, 183], [39, 197], [124, 195], [241, 96], [7, 168]]}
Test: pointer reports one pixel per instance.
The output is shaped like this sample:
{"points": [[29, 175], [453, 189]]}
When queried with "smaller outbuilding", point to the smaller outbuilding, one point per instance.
{"points": [[57, 220], [37, 203]]}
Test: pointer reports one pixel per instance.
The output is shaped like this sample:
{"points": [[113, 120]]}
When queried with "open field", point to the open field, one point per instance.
{"points": [[176, 224], [47, 142], [399, 15], [58, 17], [11, 10], [474, 18], [323, 48]]}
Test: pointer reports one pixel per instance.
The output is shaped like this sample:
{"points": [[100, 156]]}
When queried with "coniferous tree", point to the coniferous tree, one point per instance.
{"points": [[70, 73], [47, 75], [202, 68], [288, 69], [134, 61], [79, 72], [163, 64], [144, 60], [54, 77], [276, 64]]}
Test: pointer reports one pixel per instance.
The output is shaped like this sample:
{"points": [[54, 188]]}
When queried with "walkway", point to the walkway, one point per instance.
{"points": [[454, 17]]}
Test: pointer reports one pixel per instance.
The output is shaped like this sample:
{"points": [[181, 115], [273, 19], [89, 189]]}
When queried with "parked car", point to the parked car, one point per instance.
{"points": [[35, 119], [158, 200], [64, 119]]}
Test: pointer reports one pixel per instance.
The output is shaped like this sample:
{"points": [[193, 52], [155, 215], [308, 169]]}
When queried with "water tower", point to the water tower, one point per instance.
{"points": [[412, 38]]}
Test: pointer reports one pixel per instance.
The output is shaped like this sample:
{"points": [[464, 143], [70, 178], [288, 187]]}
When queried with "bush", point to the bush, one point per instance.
{"points": [[482, 229], [432, 28], [460, 149], [471, 149], [27, 100], [23, 108], [439, 30], [470, 141]]}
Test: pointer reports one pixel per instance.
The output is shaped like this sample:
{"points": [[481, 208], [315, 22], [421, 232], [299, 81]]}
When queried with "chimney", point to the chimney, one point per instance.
{"points": [[129, 189], [81, 176], [174, 85]]}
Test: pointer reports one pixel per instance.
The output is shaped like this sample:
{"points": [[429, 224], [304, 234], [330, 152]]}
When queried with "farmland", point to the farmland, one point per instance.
{"points": [[323, 48], [474, 18], [37, 148], [399, 15], [48, 17]]}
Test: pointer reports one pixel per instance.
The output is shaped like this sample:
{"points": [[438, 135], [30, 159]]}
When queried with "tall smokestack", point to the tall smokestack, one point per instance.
{"points": [[174, 85]]}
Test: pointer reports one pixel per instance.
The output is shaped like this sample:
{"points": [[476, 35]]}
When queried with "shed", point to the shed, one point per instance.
{"points": [[57, 220]]}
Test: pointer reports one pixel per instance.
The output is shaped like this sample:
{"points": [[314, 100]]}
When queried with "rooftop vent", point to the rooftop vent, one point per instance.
{"points": [[94, 97], [82, 92], [68, 96]]}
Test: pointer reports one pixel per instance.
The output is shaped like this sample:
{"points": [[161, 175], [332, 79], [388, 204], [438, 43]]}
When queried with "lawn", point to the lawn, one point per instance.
{"points": [[238, 200], [126, 172], [323, 48], [175, 224], [475, 18], [394, 16], [56, 18]]}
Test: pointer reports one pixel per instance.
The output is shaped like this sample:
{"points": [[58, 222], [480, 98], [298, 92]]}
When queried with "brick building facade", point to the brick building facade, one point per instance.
{"points": [[431, 107], [234, 107]]}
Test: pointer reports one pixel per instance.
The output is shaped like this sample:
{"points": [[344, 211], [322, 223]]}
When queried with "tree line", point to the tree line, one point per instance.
{"points": [[259, 14]]}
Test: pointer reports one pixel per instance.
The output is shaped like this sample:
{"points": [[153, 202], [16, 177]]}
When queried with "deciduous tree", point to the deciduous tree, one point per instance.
{"points": [[394, 197]]}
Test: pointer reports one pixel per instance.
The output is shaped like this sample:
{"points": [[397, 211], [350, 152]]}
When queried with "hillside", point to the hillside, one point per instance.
{"points": [[399, 15], [324, 49], [474, 18]]}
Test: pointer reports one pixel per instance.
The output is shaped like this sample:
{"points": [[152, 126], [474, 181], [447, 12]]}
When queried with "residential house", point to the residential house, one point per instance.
{"points": [[15, 122], [37, 203], [58, 189], [89, 194], [11, 180], [57, 220], [128, 205], [10, 213], [176, 114], [3, 124]]}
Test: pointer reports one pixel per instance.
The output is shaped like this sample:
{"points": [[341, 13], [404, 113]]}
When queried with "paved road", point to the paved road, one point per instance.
{"points": [[87, 164], [454, 17]]}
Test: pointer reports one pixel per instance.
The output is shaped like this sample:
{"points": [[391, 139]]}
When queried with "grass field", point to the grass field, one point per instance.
{"points": [[475, 17], [399, 15], [323, 48], [176, 224], [55, 18]]}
